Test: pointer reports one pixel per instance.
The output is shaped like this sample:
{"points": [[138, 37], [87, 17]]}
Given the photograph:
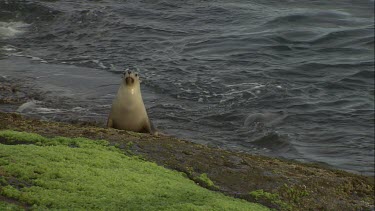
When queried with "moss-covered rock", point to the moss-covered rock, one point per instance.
{"points": [[272, 198], [205, 181], [298, 186], [66, 173]]}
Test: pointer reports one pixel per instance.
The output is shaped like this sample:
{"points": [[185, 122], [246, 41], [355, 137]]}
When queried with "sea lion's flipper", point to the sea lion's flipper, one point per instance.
{"points": [[154, 130], [110, 121], [148, 127]]}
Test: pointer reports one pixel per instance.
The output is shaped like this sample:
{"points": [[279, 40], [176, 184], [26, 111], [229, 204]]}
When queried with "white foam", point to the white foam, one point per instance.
{"points": [[34, 58], [113, 67], [9, 48], [79, 109], [99, 63], [27, 106], [11, 29], [48, 110]]}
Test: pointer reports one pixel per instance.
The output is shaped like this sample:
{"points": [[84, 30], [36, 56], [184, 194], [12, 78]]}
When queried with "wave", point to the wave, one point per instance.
{"points": [[26, 11], [338, 65], [323, 18], [278, 144], [11, 29], [343, 36]]}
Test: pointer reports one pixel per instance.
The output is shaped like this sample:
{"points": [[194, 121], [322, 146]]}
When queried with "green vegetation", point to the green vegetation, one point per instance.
{"points": [[286, 199], [4, 206], [294, 193], [78, 173], [203, 178], [273, 198]]}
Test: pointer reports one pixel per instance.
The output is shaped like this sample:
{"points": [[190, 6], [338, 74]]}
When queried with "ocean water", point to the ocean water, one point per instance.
{"points": [[285, 78]]}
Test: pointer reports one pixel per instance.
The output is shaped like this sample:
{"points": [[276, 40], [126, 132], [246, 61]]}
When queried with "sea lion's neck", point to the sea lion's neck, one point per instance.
{"points": [[129, 91], [132, 90]]}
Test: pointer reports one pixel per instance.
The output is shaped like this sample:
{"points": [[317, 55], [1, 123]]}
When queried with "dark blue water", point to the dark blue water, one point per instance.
{"points": [[286, 78]]}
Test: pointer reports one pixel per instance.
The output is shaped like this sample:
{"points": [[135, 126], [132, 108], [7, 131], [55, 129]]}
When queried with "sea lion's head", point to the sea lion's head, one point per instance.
{"points": [[130, 78]]}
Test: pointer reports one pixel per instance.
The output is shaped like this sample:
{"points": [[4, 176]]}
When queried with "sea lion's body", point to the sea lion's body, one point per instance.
{"points": [[128, 111]]}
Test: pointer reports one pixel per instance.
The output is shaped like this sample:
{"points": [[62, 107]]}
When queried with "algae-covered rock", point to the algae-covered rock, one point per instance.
{"points": [[66, 173], [285, 184]]}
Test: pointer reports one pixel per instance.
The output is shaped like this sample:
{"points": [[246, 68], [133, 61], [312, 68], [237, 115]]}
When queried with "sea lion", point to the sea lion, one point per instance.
{"points": [[128, 111]]}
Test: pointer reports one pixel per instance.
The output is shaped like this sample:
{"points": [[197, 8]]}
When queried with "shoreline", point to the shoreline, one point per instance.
{"points": [[33, 101], [275, 183]]}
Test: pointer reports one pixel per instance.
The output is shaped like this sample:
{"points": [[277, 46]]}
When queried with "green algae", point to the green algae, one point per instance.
{"points": [[294, 193], [4, 206], [15, 137], [203, 178], [274, 198], [78, 173], [288, 197]]}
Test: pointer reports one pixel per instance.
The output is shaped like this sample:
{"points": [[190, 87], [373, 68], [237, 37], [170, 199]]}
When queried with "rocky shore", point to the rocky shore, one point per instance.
{"points": [[275, 183]]}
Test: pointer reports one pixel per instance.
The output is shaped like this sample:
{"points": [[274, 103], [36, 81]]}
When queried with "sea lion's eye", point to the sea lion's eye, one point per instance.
{"points": [[129, 72], [136, 75]]}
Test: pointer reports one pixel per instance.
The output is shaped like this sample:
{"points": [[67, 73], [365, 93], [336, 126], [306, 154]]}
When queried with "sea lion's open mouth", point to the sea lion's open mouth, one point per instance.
{"points": [[129, 80]]}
